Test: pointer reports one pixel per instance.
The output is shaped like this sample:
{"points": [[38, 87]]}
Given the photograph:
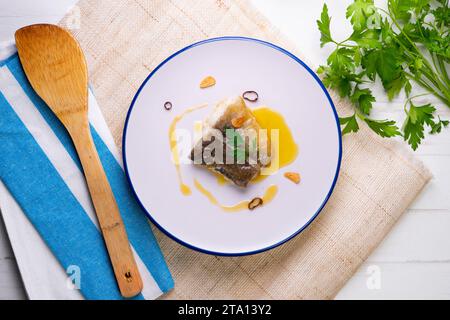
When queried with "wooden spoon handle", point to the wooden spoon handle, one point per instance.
{"points": [[110, 221]]}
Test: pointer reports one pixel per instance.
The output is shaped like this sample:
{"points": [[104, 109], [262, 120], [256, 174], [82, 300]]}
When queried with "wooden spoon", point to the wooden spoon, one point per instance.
{"points": [[56, 68]]}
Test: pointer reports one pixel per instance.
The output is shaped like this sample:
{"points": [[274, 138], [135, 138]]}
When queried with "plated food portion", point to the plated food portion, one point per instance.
{"points": [[229, 164], [231, 143], [237, 147]]}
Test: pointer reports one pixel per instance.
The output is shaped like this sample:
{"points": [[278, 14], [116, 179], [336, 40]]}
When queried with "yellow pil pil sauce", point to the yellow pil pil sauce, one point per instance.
{"points": [[184, 188], [283, 153], [268, 196]]}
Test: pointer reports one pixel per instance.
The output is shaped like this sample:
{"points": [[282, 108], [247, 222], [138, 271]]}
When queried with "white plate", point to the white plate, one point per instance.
{"points": [[285, 84]]}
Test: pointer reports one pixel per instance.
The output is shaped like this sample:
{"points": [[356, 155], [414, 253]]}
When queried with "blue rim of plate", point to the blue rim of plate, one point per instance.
{"points": [[292, 56]]}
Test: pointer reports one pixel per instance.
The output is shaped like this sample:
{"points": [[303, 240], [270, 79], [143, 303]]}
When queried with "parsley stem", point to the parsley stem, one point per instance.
{"points": [[443, 68], [428, 71], [399, 27], [433, 60], [433, 77], [438, 69], [343, 44], [360, 115], [435, 80], [413, 97], [425, 85]]}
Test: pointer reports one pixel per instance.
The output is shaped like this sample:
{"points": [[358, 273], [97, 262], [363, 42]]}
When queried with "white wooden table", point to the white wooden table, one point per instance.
{"points": [[413, 262]]}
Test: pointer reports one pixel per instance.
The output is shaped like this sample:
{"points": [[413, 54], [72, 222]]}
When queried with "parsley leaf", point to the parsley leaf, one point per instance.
{"points": [[363, 98], [359, 11], [384, 62], [418, 117], [394, 87], [442, 14], [384, 128], [369, 38], [342, 82], [401, 9], [324, 26], [342, 59], [350, 123], [404, 46], [437, 127]]}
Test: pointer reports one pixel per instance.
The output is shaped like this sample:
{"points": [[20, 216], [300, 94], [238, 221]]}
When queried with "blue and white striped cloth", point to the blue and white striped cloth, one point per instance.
{"points": [[40, 169]]}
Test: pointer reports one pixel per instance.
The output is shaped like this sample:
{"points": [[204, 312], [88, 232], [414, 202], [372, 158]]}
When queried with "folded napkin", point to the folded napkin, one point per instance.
{"points": [[124, 40], [40, 169]]}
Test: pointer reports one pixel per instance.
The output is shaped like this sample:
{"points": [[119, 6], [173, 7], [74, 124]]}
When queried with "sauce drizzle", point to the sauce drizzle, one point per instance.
{"points": [[184, 188], [268, 196]]}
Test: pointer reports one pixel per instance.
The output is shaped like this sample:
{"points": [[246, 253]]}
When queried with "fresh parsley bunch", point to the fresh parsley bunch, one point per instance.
{"points": [[409, 42]]}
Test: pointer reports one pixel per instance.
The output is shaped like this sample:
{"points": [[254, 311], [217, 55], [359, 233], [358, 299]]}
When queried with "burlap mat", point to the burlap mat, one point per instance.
{"points": [[124, 40]]}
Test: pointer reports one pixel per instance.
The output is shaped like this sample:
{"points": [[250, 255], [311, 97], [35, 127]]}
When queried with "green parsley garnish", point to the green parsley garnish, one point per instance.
{"points": [[405, 44]]}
